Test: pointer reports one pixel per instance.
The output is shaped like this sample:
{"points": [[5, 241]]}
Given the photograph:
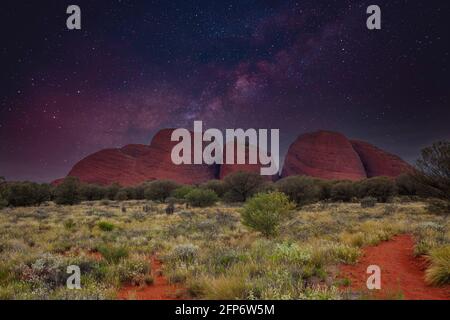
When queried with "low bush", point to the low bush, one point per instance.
{"points": [[106, 226], [113, 254], [201, 198], [368, 202]]}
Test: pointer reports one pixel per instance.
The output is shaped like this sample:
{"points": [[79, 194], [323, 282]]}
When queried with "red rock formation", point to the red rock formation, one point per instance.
{"points": [[109, 166], [323, 154], [135, 164], [378, 162]]}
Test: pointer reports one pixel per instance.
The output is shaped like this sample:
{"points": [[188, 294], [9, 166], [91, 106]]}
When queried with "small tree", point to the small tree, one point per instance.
{"points": [[265, 212], [242, 185], [68, 192], [433, 170]]}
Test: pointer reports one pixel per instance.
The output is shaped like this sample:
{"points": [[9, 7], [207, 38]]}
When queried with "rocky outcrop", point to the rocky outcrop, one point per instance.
{"points": [[325, 155], [378, 162], [135, 164], [322, 154]]}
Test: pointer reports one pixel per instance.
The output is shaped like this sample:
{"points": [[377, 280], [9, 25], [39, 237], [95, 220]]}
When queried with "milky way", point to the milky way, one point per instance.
{"points": [[139, 66]]}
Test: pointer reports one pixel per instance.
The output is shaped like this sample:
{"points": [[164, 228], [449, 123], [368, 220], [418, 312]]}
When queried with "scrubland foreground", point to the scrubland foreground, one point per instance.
{"points": [[206, 253]]}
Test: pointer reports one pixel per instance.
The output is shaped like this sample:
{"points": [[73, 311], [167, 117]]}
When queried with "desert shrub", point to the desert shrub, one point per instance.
{"points": [[181, 192], [106, 226], [433, 171], [300, 189], [133, 270], [242, 185], [343, 191], [113, 254], [406, 185], [68, 192], [47, 271], [202, 198], [381, 188], [439, 271], [265, 212], [218, 186], [92, 192], [121, 195], [159, 190], [185, 253], [20, 194], [438, 206], [224, 288], [368, 202], [170, 209]]}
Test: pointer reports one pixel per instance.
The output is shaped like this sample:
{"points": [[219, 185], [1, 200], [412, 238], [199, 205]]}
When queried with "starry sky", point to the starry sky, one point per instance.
{"points": [[139, 66]]}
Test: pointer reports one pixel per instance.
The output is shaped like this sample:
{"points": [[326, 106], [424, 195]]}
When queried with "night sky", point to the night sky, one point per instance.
{"points": [[139, 66]]}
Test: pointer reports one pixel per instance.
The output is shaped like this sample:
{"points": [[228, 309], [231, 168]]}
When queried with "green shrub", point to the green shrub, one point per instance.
{"points": [[159, 190], [218, 186], [381, 188], [300, 189], [265, 212], [242, 185], [68, 192], [368, 202], [181, 192], [202, 198], [106, 226], [113, 254], [343, 191]]}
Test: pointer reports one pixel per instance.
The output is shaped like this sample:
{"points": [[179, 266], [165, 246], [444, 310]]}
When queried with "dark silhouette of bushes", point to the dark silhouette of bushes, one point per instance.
{"points": [[300, 189], [159, 190], [381, 188], [68, 192], [242, 185]]}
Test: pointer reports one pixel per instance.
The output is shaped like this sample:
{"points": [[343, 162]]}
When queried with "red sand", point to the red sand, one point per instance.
{"points": [[159, 290], [401, 272]]}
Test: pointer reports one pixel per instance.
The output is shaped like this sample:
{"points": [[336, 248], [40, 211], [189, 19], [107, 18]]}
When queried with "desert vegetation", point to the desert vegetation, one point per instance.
{"points": [[240, 238]]}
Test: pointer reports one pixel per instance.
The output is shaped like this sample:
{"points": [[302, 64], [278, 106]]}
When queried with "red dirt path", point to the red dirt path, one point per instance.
{"points": [[401, 272], [159, 290]]}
